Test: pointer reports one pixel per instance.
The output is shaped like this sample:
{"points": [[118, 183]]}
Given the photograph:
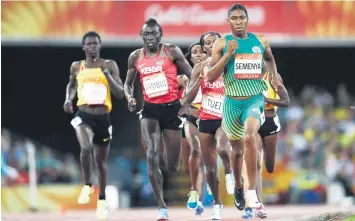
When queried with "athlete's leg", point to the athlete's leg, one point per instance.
{"points": [[209, 154], [270, 148], [151, 137], [172, 148], [85, 137], [195, 164], [259, 179], [185, 155], [224, 149], [100, 157], [251, 127], [238, 152]]}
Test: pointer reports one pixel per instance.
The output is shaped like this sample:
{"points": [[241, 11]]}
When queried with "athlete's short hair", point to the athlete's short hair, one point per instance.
{"points": [[202, 42], [237, 7], [91, 34], [153, 22], [188, 54]]}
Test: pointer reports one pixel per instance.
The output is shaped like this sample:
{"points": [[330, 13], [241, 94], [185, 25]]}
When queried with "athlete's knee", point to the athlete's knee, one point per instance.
{"points": [[86, 149], [152, 157], [249, 140], [195, 152], [238, 152], [100, 163], [211, 168], [222, 150]]}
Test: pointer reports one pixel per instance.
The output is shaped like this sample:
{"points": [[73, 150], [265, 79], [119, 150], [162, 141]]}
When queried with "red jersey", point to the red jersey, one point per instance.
{"points": [[212, 99], [158, 77]]}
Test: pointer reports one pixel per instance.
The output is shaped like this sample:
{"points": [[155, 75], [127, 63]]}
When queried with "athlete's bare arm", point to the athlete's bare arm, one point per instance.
{"points": [[270, 63], [175, 54], [131, 74], [114, 80], [73, 84], [71, 87], [195, 83], [131, 77], [219, 61], [284, 100]]}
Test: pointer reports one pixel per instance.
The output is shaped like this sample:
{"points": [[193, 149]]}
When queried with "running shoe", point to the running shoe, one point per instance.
{"points": [[163, 214], [102, 210], [193, 199], [85, 194], [217, 211]]}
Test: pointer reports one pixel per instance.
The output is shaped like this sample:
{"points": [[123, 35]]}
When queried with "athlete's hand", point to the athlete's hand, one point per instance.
{"points": [[275, 82], [185, 109], [232, 46], [68, 107], [103, 65], [132, 103]]}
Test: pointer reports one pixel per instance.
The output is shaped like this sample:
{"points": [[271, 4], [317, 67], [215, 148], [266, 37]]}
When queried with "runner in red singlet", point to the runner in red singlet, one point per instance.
{"points": [[194, 56], [158, 65], [212, 138]]}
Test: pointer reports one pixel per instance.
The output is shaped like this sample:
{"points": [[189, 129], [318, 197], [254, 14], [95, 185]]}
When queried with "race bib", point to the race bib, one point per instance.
{"points": [[94, 93], [247, 66], [155, 85], [213, 104]]}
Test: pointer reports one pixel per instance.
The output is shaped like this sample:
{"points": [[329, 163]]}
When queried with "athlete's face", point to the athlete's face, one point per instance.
{"points": [[151, 36], [208, 41], [197, 54], [238, 21], [92, 46]]}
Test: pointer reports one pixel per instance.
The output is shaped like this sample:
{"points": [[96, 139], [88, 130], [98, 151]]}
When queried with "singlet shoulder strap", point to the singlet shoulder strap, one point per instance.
{"points": [[162, 50], [82, 65], [141, 54], [266, 76]]}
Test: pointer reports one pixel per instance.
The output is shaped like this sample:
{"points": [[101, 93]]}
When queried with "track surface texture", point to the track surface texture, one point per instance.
{"points": [[280, 213]]}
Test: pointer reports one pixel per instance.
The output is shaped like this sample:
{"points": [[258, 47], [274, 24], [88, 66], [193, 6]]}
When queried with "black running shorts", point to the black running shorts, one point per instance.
{"points": [[270, 126], [209, 126], [100, 125], [166, 114]]}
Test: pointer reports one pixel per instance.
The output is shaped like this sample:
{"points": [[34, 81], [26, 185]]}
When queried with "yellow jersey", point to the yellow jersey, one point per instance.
{"points": [[93, 88], [270, 93]]}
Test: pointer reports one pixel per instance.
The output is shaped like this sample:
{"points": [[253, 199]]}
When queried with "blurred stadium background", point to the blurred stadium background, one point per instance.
{"points": [[314, 46]]}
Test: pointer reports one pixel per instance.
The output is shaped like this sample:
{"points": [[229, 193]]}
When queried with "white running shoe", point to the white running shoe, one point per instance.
{"points": [[163, 214], [101, 210], [85, 194], [217, 212], [252, 199]]}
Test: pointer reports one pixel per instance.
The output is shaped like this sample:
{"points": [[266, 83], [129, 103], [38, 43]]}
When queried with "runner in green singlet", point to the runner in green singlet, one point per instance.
{"points": [[240, 54]]}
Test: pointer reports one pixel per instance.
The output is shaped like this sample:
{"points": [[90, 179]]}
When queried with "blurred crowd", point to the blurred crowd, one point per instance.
{"points": [[49, 163], [318, 137]]}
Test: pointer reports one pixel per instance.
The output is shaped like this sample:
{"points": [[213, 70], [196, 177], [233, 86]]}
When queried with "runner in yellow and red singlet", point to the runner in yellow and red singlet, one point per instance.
{"points": [[93, 80]]}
